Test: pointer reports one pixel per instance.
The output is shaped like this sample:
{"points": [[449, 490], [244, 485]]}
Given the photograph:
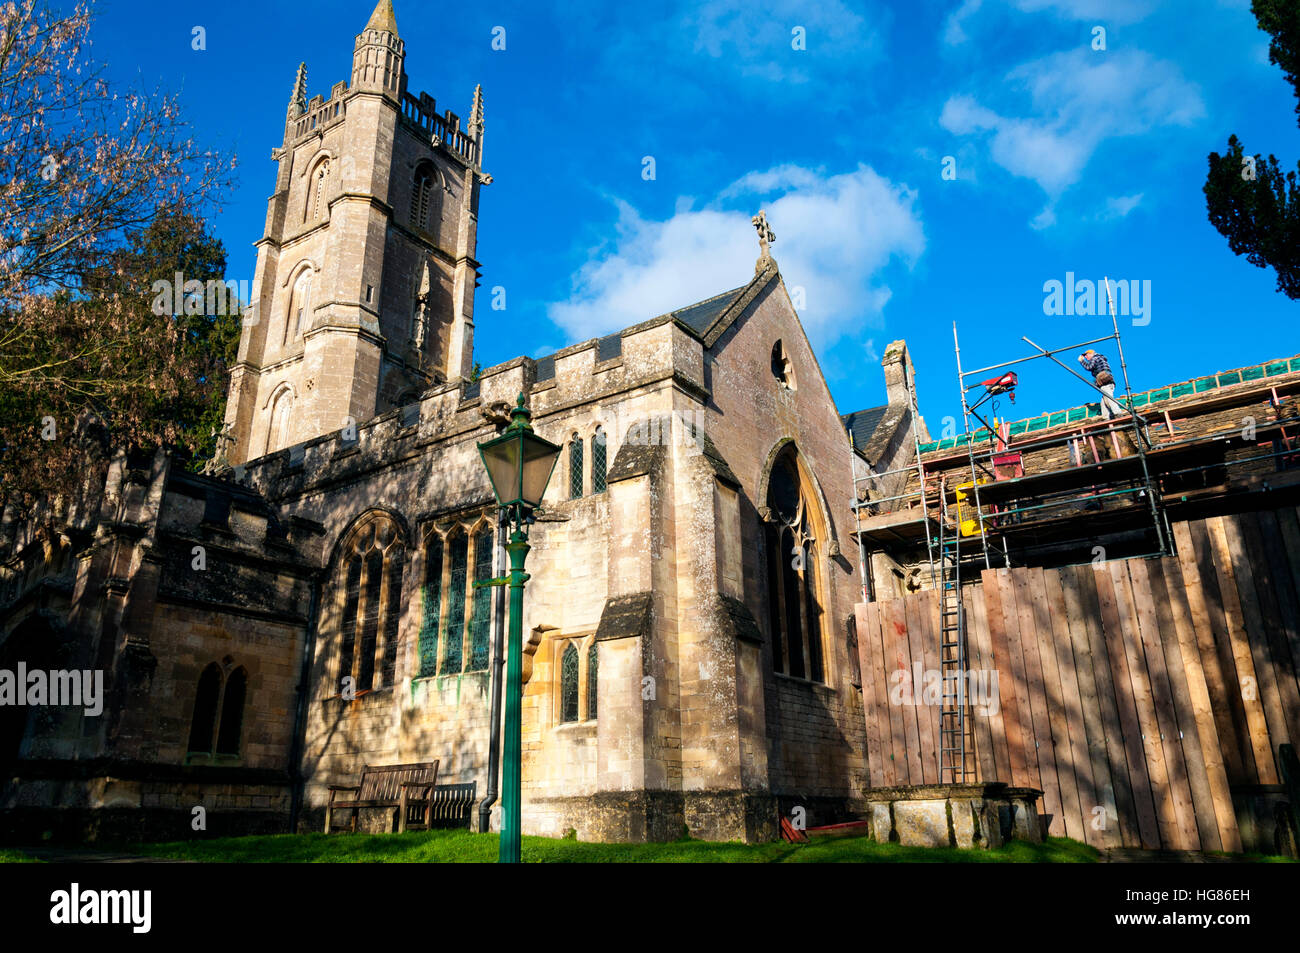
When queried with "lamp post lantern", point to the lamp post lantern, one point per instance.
{"points": [[519, 465]]}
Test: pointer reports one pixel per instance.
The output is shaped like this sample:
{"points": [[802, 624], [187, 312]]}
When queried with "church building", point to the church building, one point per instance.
{"points": [[306, 609]]}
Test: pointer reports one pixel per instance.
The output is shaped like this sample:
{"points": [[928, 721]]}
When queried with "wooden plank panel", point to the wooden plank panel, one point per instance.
{"points": [[1157, 770], [930, 704], [1052, 735], [1288, 523], [1073, 766], [1278, 606], [1192, 548], [1015, 618], [1029, 598], [902, 719], [1081, 613], [982, 715], [995, 633], [1149, 606], [1247, 679], [927, 773], [1139, 781], [1000, 600], [1210, 791], [868, 659], [1254, 588]]}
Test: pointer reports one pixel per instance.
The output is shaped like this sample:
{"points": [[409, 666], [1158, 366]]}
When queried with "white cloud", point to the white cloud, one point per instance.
{"points": [[953, 32], [834, 235], [1113, 11], [1078, 100], [1121, 205], [757, 39], [1105, 12]]}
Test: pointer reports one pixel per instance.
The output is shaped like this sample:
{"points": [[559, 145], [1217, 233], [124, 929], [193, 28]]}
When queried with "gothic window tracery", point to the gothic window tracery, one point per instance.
{"points": [[575, 467], [373, 561], [455, 630], [795, 614]]}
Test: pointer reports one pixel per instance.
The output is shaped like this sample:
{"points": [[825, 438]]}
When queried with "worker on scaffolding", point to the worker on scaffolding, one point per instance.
{"points": [[1097, 365]]}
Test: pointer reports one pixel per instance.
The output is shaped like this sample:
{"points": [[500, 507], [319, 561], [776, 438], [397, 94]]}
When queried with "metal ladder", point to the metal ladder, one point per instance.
{"points": [[952, 652]]}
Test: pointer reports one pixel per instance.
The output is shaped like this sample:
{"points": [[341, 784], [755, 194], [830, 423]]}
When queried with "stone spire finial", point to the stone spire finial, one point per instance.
{"points": [[476, 111], [765, 238], [383, 19], [476, 124], [298, 98]]}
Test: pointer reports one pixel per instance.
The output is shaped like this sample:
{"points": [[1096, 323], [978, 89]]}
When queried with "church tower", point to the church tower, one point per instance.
{"points": [[364, 288]]}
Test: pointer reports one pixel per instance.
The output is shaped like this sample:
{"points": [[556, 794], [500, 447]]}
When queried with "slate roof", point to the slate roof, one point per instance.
{"points": [[863, 423], [699, 317]]}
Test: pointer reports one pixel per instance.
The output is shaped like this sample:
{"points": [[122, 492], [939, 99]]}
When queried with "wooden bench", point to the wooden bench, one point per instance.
{"points": [[406, 787], [453, 805]]}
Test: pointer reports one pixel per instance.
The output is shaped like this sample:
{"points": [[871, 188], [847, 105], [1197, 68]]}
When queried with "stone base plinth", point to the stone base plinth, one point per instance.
{"points": [[954, 815]]}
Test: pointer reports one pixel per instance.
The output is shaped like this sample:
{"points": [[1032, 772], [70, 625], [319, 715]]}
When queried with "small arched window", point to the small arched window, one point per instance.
{"points": [[314, 206], [205, 710], [278, 430], [592, 680], [575, 467], [232, 712], [598, 458], [295, 320], [569, 684], [218, 712], [782, 368]]}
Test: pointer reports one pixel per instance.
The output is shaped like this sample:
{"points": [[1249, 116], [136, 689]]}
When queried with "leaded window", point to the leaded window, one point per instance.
{"points": [[598, 461], [454, 629], [592, 680], [569, 684], [575, 467], [432, 599], [480, 621]]}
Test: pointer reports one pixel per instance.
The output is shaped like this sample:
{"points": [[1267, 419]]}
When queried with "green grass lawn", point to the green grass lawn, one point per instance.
{"points": [[10, 856], [464, 847]]}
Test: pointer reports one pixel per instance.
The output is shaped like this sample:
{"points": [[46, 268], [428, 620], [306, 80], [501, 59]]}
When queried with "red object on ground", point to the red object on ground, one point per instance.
{"points": [[791, 833]]}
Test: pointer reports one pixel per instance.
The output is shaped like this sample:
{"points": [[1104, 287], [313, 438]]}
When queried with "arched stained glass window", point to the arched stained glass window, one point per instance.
{"points": [[351, 602], [432, 598], [479, 622], [373, 560], [592, 680], [569, 684], [454, 631], [575, 467], [232, 713], [598, 461], [205, 710]]}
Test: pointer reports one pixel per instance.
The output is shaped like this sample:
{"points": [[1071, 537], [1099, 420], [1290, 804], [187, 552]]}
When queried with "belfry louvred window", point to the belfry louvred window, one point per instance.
{"points": [[372, 561]]}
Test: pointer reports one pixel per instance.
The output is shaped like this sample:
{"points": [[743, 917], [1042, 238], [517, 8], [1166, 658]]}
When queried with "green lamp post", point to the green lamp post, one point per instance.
{"points": [[519, 465]]}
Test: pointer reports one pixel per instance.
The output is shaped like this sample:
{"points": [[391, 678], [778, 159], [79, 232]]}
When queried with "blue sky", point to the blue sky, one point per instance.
{"points": [[1067, 159]]}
